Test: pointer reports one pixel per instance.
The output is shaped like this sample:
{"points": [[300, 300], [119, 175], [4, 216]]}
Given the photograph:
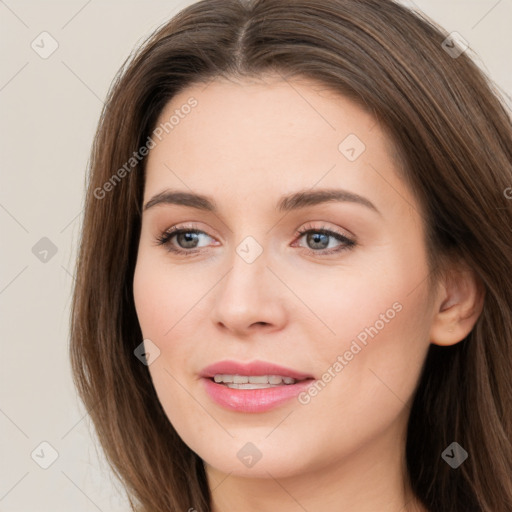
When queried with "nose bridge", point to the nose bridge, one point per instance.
{"points": [[250, 240], [248, 295], [248, 267]]}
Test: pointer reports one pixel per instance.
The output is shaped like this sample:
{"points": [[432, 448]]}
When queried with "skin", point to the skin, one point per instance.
{"points": [[245, 145]]}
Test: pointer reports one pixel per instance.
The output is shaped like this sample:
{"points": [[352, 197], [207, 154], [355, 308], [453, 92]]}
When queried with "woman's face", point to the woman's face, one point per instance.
{"points": [[350, 309]]}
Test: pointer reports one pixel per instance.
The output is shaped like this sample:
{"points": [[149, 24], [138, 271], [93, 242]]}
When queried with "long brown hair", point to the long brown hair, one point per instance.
{"points": [[454, 140]]}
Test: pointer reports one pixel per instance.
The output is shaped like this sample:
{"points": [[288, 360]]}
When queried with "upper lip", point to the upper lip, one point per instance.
{"points": [[251, 369]]}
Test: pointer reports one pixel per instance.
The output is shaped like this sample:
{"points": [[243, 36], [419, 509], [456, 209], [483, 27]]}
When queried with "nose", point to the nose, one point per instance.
{"points": [[250, 297]]}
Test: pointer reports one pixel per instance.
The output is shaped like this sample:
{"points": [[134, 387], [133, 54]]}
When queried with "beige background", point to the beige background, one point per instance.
{"points": [[50, 108]]}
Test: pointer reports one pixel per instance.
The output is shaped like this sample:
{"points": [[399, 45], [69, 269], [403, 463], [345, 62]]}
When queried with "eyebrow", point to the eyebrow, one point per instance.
{"points": [[295, 201]]}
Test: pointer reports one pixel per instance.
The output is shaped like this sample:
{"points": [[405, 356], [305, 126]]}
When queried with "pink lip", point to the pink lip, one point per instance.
{"points": [[251, 369], [252, 400]]}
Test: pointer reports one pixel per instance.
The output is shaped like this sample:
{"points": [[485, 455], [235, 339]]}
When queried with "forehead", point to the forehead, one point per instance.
{"points": [[263, 115], [242, 137]]}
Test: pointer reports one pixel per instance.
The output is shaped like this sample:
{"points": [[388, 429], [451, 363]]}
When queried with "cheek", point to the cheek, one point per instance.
{"points": [[368, 374], [381, 359], [161, 305], [382, 303], [163, 294], [380, 320], [150, 299], [168, 306]]}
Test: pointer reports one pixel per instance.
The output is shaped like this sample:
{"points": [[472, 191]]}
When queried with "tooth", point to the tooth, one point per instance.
{"points": [[269, 380], [251, 386], [262, 379]]}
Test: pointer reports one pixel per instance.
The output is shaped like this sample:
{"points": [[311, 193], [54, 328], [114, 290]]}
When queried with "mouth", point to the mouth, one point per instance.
{"points": [[252, 387]]}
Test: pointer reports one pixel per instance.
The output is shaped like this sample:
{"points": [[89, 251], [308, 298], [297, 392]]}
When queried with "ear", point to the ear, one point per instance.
{"points": [[458, 305]]}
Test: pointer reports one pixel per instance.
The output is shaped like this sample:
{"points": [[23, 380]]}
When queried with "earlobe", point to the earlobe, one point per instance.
{"points": [[458, 305]]}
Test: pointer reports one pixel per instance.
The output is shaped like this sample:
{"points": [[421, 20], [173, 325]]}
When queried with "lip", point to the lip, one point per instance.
{"points": [[252, 369], [252, 400]]}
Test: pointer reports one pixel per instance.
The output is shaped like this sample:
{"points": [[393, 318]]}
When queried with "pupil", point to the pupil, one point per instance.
{"points": [[316, 240], [189, 237]]}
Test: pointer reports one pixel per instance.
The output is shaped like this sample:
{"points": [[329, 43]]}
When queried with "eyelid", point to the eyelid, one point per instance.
{"points": [[164, 237], [347, 239], [309, 226]]}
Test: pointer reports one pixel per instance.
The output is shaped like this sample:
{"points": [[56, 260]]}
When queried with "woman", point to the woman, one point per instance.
{"points": [[293, 288]]}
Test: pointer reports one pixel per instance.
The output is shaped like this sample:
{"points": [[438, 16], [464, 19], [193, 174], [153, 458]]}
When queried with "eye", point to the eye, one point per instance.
{"points": [[318, 240], [188, 239]]}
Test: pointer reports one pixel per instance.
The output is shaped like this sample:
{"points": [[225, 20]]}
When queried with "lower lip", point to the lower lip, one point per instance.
{"points": [[253, 400]]}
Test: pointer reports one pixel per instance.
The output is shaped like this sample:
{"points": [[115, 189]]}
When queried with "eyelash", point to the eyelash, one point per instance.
{"points": [[165, 238]]}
